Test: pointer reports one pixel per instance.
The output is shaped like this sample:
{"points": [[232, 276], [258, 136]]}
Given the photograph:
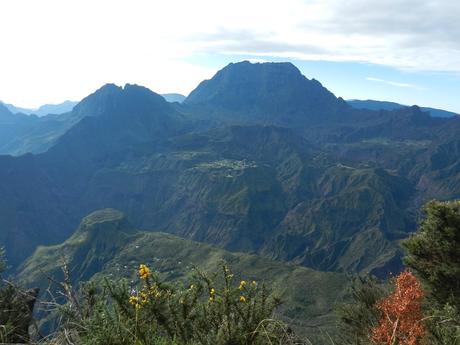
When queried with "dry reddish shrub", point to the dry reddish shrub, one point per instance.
{"points": [[401, 323]]}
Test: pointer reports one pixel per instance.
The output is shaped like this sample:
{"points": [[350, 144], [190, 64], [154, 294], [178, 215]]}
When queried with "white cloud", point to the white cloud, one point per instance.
{"points": [[393, 83], [57, 49], [258, 60]]}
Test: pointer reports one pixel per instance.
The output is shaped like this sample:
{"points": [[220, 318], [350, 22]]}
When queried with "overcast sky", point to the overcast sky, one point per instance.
{"points": [[399, 50]]}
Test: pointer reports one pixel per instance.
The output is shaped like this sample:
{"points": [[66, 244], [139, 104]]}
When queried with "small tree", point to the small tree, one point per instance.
{"points": [[401, 323], [434, 251], [434, 254]]}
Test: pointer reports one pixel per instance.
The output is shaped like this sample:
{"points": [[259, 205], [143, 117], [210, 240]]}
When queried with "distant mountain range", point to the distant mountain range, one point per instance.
{"points": [[67, 106], [257, 160], [21, 134], [46, 109], [381, 105], [173, 97]]}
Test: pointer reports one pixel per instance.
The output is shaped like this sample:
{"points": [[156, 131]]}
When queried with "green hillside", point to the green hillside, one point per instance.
{"points": [[105, 244]]}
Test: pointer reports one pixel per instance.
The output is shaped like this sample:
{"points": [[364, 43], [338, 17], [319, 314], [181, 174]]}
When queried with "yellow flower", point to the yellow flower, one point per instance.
{"points": [[212, 292], [254, 283], [242, 285], [242, 299], [134, 300], [192, 287], [211, 299], [144, 271], [154, 291], [144, 298]]}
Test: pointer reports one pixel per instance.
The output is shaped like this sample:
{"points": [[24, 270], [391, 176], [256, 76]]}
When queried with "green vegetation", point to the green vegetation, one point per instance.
{"points": [[245, 189], [262, 171], [434, 251], [433, 254], [207, 311], [16, 306], [180, 304], [106, 246], [261, 168], [358, 318]]}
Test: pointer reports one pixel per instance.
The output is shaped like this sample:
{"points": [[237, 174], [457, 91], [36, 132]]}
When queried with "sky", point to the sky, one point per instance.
{"points": [[407, 51]]}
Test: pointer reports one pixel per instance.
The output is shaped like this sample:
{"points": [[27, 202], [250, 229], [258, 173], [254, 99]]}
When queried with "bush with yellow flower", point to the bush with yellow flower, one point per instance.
{"points": [[213, 309], [208, 310]]}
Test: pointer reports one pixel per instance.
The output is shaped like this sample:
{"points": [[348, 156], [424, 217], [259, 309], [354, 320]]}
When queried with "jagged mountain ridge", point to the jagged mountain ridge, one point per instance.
{"points": [[241, 93], [52, 183], [24, 134]]}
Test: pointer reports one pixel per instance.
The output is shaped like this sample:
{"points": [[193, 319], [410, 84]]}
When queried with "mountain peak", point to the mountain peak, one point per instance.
{"points": [[273, 66], [111, 98], [274, 93], [244, 76]]}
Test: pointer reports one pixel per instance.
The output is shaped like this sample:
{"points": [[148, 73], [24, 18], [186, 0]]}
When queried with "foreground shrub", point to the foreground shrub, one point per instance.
{"points": [[16, 307], [214, 310], [443, 325]]}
